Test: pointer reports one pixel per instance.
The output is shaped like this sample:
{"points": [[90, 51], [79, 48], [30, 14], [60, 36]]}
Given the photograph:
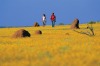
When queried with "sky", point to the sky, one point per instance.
{"points": [[26, 12]]}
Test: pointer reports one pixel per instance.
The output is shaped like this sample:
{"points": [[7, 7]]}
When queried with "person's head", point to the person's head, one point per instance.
{"points": [[43, 14], [52, 13]]}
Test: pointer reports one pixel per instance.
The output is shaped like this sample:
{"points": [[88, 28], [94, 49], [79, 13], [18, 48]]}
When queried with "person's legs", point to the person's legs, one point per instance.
{"points": [[52, 23], [43, 24]]}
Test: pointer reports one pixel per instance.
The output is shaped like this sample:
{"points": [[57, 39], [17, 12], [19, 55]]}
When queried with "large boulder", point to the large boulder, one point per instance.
{"points": [[21, 33], [75, 24], [36, 24], [38, 32]]}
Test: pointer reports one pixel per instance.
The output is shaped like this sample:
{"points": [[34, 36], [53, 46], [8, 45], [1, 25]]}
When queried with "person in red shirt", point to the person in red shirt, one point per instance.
{"points": [[53, 19]]}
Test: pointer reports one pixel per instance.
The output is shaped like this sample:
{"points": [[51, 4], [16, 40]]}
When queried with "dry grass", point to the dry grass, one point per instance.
{"points": [[58, 46]]}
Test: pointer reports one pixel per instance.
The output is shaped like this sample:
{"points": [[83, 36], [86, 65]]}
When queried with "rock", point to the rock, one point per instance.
{"points": [[36, 24], [38, 32], [21, 33], [75, 24]]}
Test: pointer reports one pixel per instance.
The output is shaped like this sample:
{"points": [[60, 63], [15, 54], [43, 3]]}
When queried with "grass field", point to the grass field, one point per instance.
{"points": [[58, 46]]}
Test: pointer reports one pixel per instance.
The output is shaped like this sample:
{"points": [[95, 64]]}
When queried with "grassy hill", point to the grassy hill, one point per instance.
{"points": [[58, 46]]}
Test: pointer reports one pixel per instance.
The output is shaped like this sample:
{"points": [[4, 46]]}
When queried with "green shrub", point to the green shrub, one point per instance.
{"points": [[91, 22], [61, 23]]}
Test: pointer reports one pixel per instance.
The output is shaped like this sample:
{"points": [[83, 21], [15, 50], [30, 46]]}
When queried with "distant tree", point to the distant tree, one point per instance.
{"points": [[91, 22], [61, 23], [97, 21]]}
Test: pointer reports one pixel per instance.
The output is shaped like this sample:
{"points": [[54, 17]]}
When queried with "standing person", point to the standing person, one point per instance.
{"points": [[44, 19], [53, 19]]}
